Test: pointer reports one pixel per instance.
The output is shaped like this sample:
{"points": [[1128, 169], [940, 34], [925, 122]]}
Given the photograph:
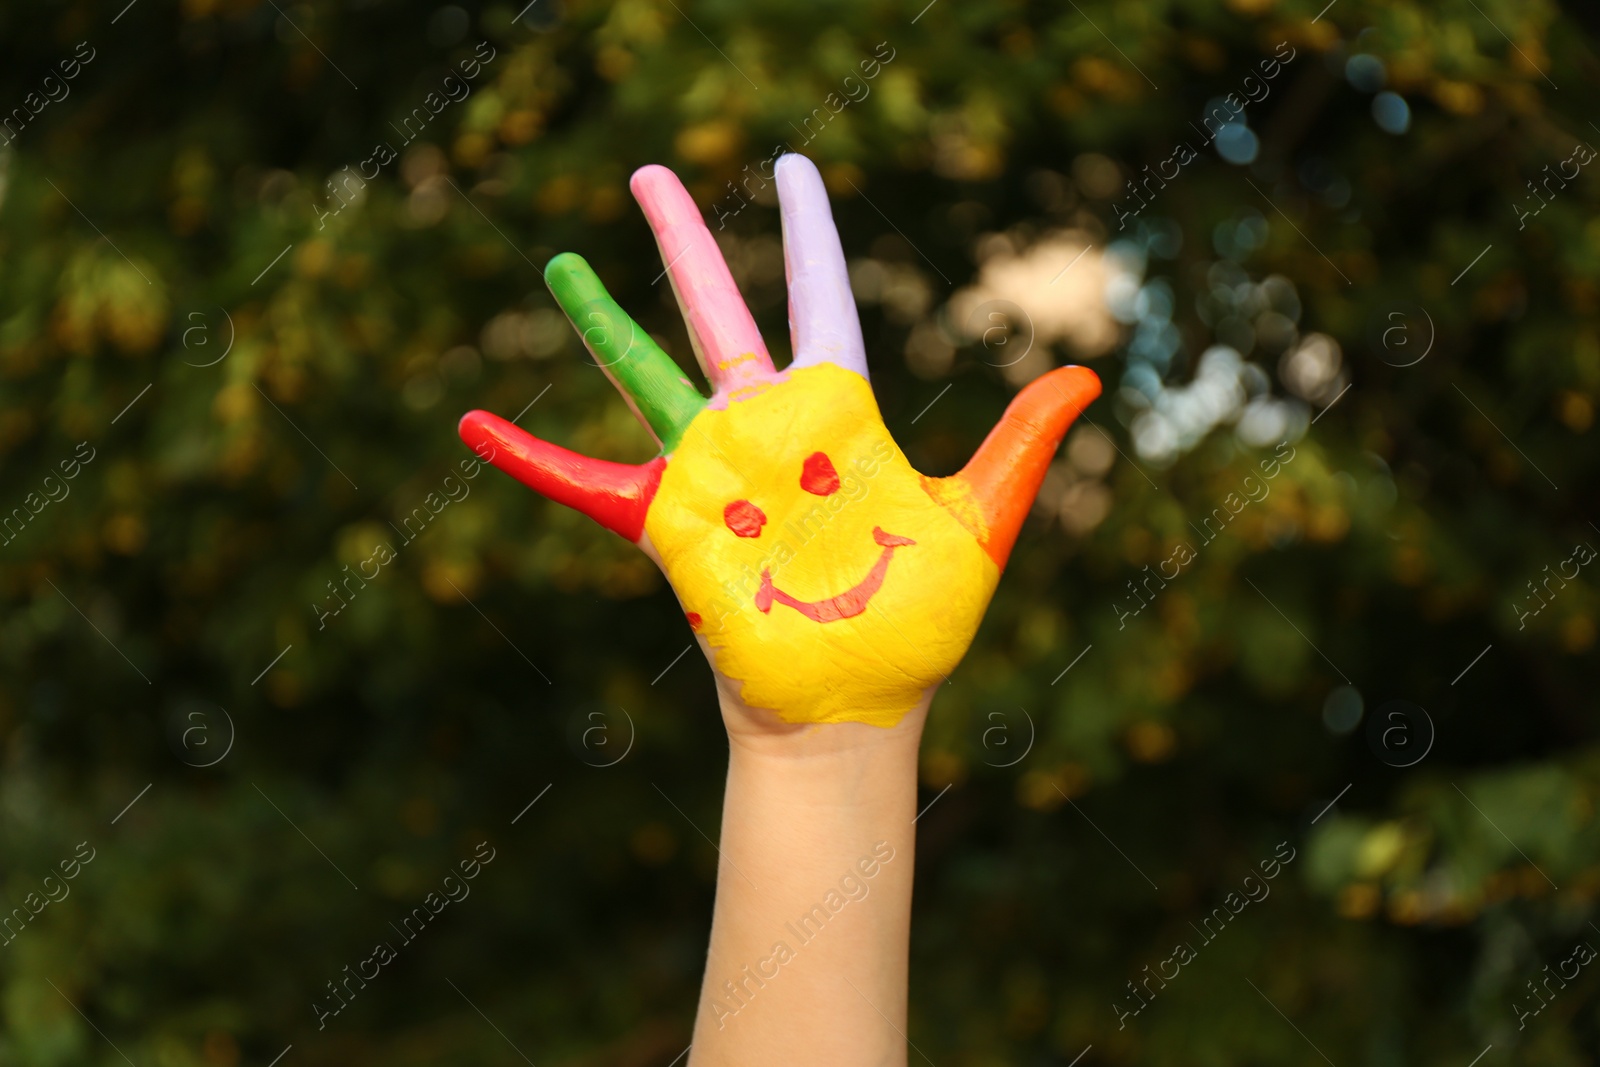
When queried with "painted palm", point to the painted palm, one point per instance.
{"points": [[827, 580]]}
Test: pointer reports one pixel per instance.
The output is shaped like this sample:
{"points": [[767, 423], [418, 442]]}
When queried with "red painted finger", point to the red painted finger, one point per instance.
{"points": [[616, 495]]}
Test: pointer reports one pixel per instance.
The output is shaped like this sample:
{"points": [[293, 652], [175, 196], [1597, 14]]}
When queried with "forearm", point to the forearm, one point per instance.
{"points": [[809, 939]]}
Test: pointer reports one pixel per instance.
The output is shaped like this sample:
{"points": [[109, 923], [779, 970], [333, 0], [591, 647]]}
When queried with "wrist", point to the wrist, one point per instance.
{"points": [[797, 815], [759, 737]]}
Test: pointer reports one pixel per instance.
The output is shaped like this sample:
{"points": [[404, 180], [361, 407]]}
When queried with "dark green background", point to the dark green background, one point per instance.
{"points": [[409, 729]]}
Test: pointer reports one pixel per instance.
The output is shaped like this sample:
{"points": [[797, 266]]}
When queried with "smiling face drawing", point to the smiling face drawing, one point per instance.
{"points": [[818, 476], [828, 580], [846, 605]]}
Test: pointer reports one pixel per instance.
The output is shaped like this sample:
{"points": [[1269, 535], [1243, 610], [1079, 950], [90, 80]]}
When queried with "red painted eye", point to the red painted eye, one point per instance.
{"points": [[817, 475], [744, 518]]}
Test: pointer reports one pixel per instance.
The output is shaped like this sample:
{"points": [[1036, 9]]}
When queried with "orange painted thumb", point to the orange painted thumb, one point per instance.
{"points": [[1005, 474]]}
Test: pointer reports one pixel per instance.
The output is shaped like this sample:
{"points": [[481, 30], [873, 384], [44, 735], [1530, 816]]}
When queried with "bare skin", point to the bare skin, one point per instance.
{"points": [[805, 809]]}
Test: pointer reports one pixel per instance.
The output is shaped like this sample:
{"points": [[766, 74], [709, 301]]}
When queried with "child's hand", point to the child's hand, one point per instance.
{"points": [[827, 580]]}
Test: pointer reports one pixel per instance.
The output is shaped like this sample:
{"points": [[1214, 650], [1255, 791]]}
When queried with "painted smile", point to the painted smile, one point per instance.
{"points": [[846, 605]]}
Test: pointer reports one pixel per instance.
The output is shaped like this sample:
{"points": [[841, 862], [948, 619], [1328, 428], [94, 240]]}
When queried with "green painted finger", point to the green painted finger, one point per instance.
{"points": [[647, 376]]}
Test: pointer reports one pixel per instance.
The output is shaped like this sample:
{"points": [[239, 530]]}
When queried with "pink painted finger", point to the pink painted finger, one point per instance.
{"points": [[725, 338], [823, 323]]}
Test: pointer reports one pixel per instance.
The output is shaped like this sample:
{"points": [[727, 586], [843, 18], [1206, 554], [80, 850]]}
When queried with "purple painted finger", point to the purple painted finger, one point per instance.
{"points": [[823, 323]]}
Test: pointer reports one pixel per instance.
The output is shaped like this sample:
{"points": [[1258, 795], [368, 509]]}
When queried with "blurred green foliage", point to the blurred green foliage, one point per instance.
{"points": [[174, 200]]}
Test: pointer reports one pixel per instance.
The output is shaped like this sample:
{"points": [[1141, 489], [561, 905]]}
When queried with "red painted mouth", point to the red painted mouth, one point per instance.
{"points": [[848, 604]]}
